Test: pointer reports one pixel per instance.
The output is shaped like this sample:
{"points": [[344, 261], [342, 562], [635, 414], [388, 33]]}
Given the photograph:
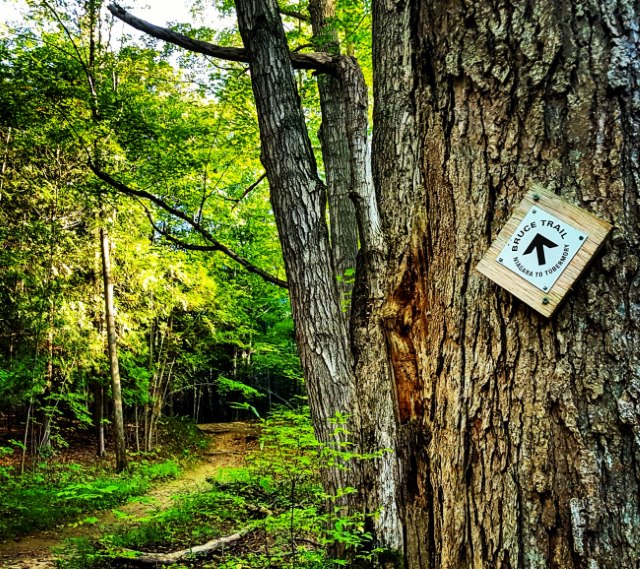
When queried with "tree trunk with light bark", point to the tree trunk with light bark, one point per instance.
{"points": [[112, 346], [519, 434]]}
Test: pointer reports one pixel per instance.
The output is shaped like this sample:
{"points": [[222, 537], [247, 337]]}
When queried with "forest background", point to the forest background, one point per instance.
{"points": [[195, 331], [186, 227]]}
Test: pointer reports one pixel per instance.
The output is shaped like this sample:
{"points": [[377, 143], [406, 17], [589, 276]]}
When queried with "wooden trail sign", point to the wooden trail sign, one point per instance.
{"points": [[543, 249]]}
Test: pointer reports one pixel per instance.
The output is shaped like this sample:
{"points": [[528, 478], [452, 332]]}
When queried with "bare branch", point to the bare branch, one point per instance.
{"points": [[121, 187], [215, 245], [316, 61], [249, 190], [295, 14], [206, 195], [301, 47], [171, 238]]}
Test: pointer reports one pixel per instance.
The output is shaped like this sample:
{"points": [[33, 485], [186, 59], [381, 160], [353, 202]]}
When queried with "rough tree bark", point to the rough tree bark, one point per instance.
{"points": [[336, 154], [519, 435], [298, 198]]}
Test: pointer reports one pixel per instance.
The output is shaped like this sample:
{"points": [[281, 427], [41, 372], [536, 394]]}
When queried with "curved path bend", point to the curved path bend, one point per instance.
{"points": [[227, 448]]}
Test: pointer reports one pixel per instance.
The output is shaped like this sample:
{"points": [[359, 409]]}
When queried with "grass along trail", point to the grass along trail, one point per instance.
{"points": [[228, 445]]}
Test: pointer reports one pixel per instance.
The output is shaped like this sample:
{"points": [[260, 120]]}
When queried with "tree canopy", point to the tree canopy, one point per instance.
{"points": [[194, 327]]}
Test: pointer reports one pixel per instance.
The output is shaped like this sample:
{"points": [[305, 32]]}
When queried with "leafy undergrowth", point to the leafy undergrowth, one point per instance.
{"points": [[277, 498], [230, 506], [52, 493]]}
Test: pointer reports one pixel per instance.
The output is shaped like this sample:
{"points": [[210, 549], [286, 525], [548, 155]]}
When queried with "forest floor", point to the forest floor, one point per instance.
{"points": [[227, 447]]}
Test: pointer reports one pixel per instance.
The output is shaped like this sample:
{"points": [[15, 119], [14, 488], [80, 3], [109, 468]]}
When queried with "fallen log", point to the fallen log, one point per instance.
{"points": [[236, 427], [158, 559]]}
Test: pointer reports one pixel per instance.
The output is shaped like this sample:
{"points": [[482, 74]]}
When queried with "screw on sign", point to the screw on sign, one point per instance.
{"points": [[543, 249]]}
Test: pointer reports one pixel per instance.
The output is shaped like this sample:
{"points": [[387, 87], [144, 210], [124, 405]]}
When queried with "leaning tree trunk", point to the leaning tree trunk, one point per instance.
{"points": [[298, 199], [519, 433]]}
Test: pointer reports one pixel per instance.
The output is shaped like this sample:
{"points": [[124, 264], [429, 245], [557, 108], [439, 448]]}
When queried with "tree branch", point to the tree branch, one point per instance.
{"points": [[316, 61], [295, 14], [171, 238], [215, 244], [249, 190], [301, 47]]}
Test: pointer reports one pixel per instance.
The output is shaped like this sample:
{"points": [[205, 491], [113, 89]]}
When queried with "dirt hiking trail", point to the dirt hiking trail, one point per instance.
{"points": [[228, 444]]}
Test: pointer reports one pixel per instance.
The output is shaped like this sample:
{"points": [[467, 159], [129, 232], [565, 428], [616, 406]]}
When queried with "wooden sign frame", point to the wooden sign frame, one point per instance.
{"points": [[545, 302]]}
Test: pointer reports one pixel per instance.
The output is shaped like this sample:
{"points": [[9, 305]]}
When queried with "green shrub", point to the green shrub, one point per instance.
{"points": [[179, 436]]}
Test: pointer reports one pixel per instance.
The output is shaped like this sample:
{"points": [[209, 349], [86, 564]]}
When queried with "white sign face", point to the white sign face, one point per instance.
{"points": [[541, 248]]}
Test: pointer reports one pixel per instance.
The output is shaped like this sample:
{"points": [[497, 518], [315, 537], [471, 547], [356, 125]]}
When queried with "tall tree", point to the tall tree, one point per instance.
{"points": [[325, 357], [336, 154], [112, 346]]}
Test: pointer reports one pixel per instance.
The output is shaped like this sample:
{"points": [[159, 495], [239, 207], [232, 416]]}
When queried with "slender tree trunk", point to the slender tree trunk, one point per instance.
{"points": [[137, 419], [145, 426], [161, 381], [336, 154], [153, 369], [197, 396], [98, 320], [44, 444], [170, 402], [25, 441], [98, 394], [118, 416], [158, 369], [5, 157], [519, 434], [157, 397]]}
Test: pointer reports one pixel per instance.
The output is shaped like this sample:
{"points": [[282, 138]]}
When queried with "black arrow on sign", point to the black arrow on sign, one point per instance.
{"points": [[539, 242]]}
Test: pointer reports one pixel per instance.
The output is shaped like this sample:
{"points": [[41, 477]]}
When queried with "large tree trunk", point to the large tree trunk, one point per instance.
{"points": [[298, 199], [520, 434]]}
